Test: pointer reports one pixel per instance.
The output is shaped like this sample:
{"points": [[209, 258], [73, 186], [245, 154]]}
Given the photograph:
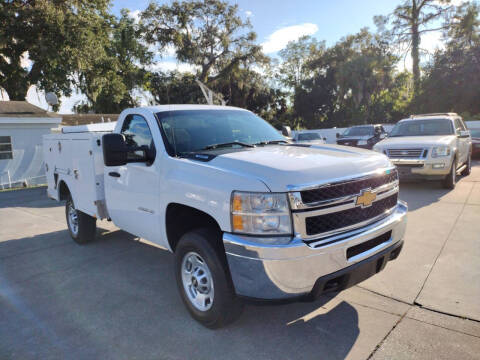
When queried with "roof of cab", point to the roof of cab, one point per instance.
{"points": [[176, 107]]}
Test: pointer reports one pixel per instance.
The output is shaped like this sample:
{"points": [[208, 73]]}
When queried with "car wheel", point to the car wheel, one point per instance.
{"points": [[81, 226], [203, 279], [468, 169], [451, 179]]}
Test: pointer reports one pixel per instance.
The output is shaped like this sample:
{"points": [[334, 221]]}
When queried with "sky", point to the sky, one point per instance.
{"points": [[277, 22]]}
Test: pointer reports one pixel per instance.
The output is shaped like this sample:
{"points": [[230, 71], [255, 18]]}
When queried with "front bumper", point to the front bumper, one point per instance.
{"points": [[293, 270], [436, 168]]}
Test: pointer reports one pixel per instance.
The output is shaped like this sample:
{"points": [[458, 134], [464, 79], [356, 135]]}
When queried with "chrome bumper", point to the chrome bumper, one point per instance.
{"points": [[429, 167], [284, 271]]}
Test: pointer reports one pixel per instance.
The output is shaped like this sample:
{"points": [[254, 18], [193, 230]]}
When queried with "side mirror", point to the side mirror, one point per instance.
{"points": [[287, 131], [114, 150], [383, 135], [463, 134], [324, 138], [338, 135]]}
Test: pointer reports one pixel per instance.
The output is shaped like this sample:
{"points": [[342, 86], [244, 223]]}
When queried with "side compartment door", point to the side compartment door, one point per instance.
{"points": [[132, 191]]}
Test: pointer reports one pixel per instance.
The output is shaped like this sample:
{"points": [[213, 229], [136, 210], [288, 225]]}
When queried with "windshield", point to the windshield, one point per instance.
{"points": [[308, 137], [194, 130], [475, 133], [359, 131], [430, 127]]}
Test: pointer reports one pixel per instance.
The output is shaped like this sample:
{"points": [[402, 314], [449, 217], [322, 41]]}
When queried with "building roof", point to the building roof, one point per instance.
{"points": [[85, 119], [22, 109]]}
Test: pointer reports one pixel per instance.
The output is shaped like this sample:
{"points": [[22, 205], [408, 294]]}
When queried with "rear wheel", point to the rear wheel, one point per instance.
{"points": [[81, 226], [468, 169], [451, 179], [203, 279]]}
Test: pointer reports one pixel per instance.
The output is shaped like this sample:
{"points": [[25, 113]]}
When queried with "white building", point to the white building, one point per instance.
{"points": [[22, 126]]}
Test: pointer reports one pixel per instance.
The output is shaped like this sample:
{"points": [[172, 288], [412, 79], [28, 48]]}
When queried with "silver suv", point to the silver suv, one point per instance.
{"points": [[429, 146]]}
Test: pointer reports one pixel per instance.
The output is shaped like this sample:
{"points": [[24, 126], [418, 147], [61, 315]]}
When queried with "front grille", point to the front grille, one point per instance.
{"points": [[347, 188], [338, 220], [405, 153]]}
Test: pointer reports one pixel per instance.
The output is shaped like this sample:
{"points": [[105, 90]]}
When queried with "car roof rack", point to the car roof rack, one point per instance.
{"points": [[433, 114]]}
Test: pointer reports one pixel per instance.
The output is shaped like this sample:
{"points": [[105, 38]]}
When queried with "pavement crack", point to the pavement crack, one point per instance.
{"points": [[385, 296], [386, 336], [445, 313]]}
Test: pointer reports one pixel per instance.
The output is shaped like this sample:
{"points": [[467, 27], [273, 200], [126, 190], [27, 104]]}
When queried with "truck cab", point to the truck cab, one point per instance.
{"points": [[245, 212]]}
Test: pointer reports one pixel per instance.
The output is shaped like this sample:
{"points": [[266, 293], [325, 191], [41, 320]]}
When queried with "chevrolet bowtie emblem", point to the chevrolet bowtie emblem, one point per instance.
{"points": [[366, 198]]}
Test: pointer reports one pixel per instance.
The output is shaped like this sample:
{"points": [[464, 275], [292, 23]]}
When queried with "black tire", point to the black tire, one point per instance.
{"points": [[468, 169], [86, 226], [225, 307], [451, 179]]}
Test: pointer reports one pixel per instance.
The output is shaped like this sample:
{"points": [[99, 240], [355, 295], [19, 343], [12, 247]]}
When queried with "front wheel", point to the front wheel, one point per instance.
{"points": [[468, 169], [451, 179], [81, 226], [203, 279]]}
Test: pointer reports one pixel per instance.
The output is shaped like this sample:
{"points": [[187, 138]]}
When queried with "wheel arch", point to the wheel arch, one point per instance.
{"points": [[180, 219]]}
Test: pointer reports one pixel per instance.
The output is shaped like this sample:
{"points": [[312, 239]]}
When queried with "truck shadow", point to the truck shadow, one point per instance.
{"points": [[117, 298], [419, 194], [32, 198]]}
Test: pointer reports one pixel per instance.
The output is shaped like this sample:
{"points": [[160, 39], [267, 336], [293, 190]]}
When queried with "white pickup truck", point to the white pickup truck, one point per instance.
{"points": [[246, 213]]}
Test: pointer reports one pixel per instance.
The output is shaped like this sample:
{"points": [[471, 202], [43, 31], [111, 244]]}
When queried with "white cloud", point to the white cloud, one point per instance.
{"points": [[280, 38], [248, 13], [135, 15], [170, 66]]}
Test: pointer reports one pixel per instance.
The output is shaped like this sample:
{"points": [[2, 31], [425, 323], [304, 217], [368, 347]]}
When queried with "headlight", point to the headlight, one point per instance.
{"points": [[260, 213], [362, 142], [378, 149], [438, 151]]}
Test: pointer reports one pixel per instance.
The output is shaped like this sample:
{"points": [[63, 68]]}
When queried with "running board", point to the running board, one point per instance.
{"points": [[461, 168]]}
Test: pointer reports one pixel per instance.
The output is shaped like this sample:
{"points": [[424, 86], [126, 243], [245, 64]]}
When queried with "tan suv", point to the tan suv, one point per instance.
{"points": [[429, 146]]}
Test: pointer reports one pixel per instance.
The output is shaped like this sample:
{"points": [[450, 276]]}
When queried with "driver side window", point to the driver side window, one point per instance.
{"points": [[138, 135]]}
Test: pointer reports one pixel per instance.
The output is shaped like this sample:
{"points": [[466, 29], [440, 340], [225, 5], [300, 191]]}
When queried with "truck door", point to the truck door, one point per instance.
{"points": [[132, 190]]}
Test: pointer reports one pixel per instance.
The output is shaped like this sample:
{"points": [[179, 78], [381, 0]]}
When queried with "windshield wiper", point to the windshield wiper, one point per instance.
{"points": [[216, 146], [272, 142]]}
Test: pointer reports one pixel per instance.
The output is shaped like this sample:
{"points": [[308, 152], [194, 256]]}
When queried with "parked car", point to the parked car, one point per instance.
{"points": [[429, 146], [246, 213], [363, 136], [308, 138], [475, 133]]}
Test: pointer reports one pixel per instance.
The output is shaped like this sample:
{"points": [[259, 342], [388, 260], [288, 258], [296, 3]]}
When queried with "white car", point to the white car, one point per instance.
{"points": [[429, 146], [308, 138], [246, 213]]}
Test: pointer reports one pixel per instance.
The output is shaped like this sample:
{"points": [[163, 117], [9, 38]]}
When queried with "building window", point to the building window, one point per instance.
{"points": [[6, 147]]}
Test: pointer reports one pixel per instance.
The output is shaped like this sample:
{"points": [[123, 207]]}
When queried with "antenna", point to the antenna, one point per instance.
{"points": [[210, 94]]}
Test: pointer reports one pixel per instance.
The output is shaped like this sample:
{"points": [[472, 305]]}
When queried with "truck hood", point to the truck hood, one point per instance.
{"points": [[415, 141], [281, 167]]}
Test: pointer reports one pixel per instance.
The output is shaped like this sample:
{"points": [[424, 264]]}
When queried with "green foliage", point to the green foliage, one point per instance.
{"points": [[109, 81], [408, 22], [208, 34], [353, 82], [175, 88], [59, 37]]}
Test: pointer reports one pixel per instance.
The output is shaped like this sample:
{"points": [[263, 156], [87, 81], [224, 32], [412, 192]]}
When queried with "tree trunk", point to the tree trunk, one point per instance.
{"points": [[16, 89], [415, 48], [415, 59]]}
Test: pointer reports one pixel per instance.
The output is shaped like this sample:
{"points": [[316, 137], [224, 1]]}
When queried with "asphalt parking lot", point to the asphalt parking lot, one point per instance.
{"points": [[116, 298]]}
